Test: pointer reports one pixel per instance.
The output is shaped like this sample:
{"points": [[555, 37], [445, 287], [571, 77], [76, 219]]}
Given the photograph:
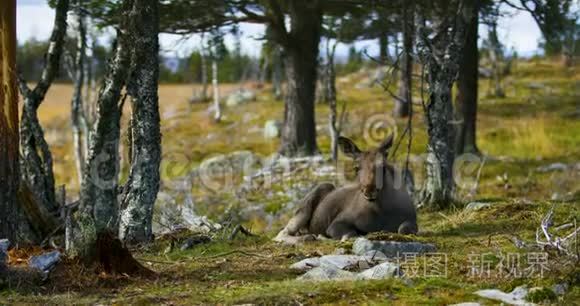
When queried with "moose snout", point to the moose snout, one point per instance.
{"points": [[369, 192]]}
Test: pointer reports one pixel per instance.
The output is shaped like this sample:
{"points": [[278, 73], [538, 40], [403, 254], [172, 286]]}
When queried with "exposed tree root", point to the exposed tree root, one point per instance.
{"points": [[115, 258]]}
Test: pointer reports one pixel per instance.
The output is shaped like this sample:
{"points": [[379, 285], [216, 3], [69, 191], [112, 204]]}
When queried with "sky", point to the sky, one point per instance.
{"points": [[35, 19]]}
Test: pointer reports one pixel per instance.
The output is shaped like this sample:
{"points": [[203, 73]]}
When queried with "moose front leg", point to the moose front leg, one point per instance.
{"points": [[304, 214], [341, 230]]}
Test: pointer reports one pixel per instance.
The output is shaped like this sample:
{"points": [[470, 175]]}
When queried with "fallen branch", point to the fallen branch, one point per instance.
{"points": [[558, 243]]}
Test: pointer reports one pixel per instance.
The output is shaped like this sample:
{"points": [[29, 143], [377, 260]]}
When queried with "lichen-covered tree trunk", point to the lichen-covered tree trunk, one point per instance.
{"points": [[78, 119], [217, 116], [98, 211], [330, 88], [13, 223], [403, 104], [466, 98], [36, 163], [143, 183], [299, 131], [439, 187], [440, 50]]}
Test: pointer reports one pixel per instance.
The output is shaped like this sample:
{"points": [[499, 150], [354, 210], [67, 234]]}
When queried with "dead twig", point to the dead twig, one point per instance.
{"points": [[236, 252], [240, 229], [160, 261]]}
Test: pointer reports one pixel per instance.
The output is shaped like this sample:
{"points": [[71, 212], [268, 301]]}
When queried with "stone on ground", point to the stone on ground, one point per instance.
{"points": [[45, 262], [391, 248], [306, 264], [272, 129], [240, 96], [339, 261], [381, 271], [327, 273], [516, 297], [475, 206]]}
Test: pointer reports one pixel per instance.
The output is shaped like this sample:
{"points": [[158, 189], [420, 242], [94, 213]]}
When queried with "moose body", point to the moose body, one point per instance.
{"points": [[373, 204]]}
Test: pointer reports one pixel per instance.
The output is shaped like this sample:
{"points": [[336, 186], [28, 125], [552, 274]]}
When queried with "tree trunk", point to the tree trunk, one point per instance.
{"points": [[277, 72], [384, 48], [466, 98], [203, 75], [331, 95], [334, 128], [496, 57], [299, 131], [440, 51], [440, 156], [98, 211], [78, 121], [143, 182], [13, 223], [216, 91], [264, 70], [36, 164], [401, 109]]}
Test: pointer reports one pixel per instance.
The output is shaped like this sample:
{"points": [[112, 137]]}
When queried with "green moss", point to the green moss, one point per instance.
{"points": [[541, 295]]}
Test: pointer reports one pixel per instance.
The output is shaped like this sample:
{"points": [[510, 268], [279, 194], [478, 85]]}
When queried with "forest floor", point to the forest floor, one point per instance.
{"points": [[536, 125]]}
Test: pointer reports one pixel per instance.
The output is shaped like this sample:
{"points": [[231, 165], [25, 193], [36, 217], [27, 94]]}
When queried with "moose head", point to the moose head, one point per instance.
{"points": [[369, 165]]}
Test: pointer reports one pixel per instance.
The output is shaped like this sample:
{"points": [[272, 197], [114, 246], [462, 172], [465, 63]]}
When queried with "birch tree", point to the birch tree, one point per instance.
{"points": [[140, 190], [36, 164], [78, 119], [97, 215], [440, 47]]}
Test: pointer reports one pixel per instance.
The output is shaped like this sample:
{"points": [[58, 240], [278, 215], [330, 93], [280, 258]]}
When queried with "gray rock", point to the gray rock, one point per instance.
{"points": [[391, 248], [553, 167], [339, 261], [272, 129], [45, 262], [560, 289], [169, 215], [516, 297], [235, 161], [339, 251], [375, 255], [381, 271], [240, 96], [475, 206], [327, 273], [4, 245], [306, 264]]}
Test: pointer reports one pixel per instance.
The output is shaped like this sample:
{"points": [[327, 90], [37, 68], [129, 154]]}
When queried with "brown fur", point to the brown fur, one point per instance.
{"points": [[372, 204]]}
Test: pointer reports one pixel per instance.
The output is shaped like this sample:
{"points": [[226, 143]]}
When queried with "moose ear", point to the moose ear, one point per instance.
{"points": [[348, 147], [386, 144]]}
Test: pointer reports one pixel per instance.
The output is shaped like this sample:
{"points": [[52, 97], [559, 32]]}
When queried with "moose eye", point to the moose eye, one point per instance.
{"points": [[356, 169]]}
